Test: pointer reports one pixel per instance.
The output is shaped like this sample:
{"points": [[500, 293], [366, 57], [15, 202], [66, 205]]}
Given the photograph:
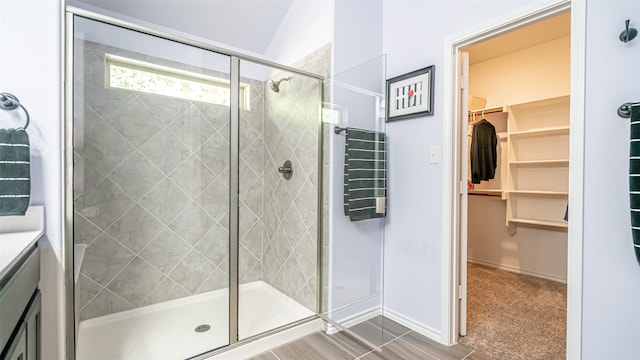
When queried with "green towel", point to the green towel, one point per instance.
{"points": [[365, 174], [634, 178], [15, 169]]}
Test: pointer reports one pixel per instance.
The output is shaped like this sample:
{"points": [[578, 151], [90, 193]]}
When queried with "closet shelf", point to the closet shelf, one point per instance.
{"points": [[537, 104], [559, 162], [550, 131], [490, 192], [540, 192], [557, 224]]}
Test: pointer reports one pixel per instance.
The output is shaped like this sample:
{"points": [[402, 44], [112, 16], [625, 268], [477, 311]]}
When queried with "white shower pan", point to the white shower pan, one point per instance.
{"points": [[167, 330]]}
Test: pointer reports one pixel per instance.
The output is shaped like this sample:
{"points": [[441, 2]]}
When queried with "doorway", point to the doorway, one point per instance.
{"points": [[516, 232], [456, 195]]}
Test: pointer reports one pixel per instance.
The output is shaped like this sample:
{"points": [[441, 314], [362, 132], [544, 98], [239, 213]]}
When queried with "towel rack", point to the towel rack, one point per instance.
{"points": [[339, 129], [10, 102], [624, 110]]}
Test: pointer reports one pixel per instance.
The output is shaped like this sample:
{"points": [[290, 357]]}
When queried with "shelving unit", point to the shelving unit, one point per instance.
{"points": [[538, 163]]}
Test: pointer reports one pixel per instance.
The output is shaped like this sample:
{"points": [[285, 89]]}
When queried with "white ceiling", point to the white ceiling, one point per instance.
{"points": [[534, 34], [244, 24]]}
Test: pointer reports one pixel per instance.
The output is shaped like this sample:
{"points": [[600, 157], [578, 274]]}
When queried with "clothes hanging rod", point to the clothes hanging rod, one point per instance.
{"points": [[474, 113], [487, 111]]}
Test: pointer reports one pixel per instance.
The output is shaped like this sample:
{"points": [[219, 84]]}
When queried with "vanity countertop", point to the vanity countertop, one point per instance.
{"points": [[17, 236]]}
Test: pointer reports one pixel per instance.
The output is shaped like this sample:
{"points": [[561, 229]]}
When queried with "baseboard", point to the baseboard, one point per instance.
{"points": [[420, 328], [518, 270], [333, 327]]}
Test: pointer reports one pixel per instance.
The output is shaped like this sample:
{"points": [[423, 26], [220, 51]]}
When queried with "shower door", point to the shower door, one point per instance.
{"points": [[151, 140], [278, 196]]}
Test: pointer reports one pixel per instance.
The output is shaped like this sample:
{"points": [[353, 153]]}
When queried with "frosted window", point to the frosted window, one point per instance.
{"points": [[154, 79]]}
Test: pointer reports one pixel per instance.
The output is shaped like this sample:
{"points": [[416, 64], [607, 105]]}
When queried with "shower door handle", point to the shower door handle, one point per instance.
{"points": [[286, 170]]}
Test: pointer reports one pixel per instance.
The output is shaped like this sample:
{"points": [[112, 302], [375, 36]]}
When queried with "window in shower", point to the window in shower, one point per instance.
{"points": [[135, 75]]}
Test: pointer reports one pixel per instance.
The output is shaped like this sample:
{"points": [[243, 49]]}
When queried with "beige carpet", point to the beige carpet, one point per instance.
{"points": [[515, 317]]}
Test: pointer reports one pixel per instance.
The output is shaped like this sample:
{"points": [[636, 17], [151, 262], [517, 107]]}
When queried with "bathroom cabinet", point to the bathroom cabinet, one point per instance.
{"points": [[20, 309]]}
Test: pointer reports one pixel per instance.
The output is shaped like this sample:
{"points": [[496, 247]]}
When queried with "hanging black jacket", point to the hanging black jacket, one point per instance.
{"points": [[483, 152]]}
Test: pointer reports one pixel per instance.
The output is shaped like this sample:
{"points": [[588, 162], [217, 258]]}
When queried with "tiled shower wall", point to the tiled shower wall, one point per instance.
{"points": [[151, 190], [291, 206]]}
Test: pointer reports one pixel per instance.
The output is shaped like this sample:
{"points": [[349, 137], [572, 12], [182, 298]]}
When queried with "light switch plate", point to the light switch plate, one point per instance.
{"points": [[434, 155]]}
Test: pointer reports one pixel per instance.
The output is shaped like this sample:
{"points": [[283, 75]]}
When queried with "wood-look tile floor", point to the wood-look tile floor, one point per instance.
{"points": [[399, 343]]}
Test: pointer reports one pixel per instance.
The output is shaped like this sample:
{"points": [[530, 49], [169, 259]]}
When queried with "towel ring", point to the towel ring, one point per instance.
{"points": [[10, 102]]}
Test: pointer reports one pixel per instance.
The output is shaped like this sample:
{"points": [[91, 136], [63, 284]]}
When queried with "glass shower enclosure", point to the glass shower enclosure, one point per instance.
{"points": [[195, 194], [353, 249]]}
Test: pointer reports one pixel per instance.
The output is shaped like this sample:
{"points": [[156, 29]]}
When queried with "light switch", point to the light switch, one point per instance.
{"points": [[434, 155]]}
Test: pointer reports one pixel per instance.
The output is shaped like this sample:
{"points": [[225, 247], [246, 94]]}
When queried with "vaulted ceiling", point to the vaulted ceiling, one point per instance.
{"points": [[244, 24]]}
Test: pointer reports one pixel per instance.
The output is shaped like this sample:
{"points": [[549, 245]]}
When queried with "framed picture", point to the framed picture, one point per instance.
{"points": [[410, 95]]}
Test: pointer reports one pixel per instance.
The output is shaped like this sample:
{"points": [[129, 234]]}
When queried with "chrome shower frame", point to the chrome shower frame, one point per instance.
{"points": [[69, 12]]}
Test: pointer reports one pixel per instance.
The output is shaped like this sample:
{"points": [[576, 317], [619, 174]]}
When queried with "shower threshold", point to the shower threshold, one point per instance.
{"points": [[182, 328]]}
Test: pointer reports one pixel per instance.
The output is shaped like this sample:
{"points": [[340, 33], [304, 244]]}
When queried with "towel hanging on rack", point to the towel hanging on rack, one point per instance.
{"points": [[15, 179], [634, 178], [365, 174], [15, 163]]}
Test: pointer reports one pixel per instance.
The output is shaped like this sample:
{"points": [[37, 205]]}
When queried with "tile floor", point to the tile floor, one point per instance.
{"points": [[400, 343]]}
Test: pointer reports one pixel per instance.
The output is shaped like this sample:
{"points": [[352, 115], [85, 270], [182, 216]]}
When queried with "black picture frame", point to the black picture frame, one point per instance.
{"points": [[410, 95]]}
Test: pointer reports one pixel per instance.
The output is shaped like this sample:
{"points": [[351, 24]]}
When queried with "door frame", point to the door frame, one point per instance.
{"points": [[451, 155]]}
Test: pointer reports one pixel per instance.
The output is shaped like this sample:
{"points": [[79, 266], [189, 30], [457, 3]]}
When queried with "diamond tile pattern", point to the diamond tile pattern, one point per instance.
{"points": [[151, 192], [165, 251], [152, 197], [135, 229], [192, 271], [291, 206]]}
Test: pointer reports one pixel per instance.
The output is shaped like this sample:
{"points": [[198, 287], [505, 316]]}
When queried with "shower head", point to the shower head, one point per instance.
{"points": [[275, 85]]}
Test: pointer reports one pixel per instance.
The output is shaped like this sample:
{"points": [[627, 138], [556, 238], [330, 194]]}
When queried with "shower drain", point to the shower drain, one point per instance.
{"points": [[203, 328]]}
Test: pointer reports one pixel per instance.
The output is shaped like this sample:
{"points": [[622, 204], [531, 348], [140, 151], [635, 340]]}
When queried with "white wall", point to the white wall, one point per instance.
{"points": [[611, 287], [30, 69], [413, 247], [357, 34], [535, 73], [610, 316], [532, 251]]}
